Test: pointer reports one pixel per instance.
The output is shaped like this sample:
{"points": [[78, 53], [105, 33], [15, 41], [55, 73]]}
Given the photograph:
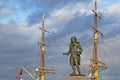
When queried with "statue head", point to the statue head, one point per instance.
{"points": [[73, 39]]}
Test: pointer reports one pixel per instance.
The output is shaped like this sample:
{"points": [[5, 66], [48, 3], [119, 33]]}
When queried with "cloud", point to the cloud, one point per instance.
{"points": [[18, 44], [68, 20], [15, 35], [5, 11], [47, 7], [112, 10]]}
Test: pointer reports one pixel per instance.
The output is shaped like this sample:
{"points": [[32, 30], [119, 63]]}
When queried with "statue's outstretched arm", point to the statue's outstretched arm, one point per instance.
{"points": [[66, 53]]}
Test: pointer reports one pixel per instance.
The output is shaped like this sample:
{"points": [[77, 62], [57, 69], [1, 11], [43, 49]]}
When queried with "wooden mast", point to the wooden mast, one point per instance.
{"points": [[41, 70], [95, 52], [42, 51], [96, 64]]}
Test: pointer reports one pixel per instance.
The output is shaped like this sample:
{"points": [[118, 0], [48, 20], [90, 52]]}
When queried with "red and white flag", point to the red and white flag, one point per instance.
{"points": [[19, 75], [21, 72]]}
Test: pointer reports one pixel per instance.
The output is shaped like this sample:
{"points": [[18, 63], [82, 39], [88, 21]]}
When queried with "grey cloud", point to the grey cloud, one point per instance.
{"points": [[12, 40], [34, 18], [11, 64], [16, 50], [5, 11], [56, 3], [48, 6], [78, 24]]}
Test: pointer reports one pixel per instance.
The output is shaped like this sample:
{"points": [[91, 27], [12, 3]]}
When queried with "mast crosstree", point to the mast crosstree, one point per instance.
{"points": [[95, 63]]}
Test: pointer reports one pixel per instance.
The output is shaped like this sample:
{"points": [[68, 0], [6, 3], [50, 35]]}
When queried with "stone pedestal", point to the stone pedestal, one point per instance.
{"points": [[77, 78]]}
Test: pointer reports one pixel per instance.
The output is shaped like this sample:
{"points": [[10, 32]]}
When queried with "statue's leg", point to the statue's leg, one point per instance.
{"points": [[78, 69], [73, 66], [77, 66]]}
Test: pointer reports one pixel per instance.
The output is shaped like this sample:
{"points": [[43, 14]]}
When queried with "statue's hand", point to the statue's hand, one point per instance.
{"points": [[64, 53]]}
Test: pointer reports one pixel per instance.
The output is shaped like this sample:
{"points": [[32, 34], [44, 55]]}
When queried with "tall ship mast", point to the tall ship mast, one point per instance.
{"points": [[40, 70], [95, 63]]}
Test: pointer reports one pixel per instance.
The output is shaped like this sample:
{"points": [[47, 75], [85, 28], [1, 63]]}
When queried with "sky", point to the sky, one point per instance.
{"points": [[19, 33]]}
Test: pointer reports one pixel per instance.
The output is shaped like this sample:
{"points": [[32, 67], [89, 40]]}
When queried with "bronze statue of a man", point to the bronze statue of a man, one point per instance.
{"points": [[75, 51]]}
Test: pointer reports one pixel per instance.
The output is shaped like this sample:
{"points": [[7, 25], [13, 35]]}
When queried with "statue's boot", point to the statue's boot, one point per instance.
{"points": [[73, 74], [78, 68]]}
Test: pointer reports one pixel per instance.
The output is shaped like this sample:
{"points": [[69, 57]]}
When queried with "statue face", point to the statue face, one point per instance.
{"points": [[73, 39]]}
